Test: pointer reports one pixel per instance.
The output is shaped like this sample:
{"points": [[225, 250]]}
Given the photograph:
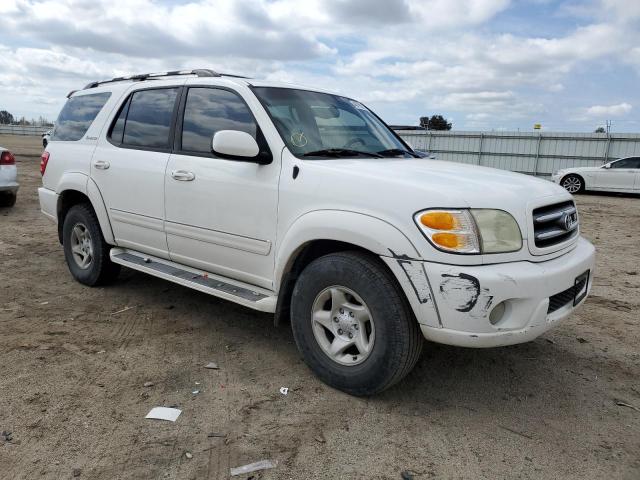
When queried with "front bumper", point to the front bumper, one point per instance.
{"points": [[456, 310]]}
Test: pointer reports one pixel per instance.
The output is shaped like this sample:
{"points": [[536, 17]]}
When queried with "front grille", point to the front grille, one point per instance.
{"points": [[559, 300], [555, 224]]}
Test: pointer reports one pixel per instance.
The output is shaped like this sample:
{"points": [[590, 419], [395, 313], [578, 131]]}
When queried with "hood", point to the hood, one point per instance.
{"points": [[432, 183]]}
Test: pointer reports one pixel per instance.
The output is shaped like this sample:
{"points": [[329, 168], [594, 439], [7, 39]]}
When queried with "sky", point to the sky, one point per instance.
{"points": [[483, 64]]}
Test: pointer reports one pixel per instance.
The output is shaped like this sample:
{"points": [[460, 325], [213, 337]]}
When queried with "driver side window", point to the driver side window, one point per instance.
{"points": [[209, 110]]}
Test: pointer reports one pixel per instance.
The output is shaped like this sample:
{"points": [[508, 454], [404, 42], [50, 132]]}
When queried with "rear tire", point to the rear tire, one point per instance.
{"points": [[86, 252], [8, 199], [332, 295], [573, 183]]}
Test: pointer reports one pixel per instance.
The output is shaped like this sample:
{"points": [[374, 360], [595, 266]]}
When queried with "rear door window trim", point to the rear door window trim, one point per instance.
{"points": [[172, 125]]}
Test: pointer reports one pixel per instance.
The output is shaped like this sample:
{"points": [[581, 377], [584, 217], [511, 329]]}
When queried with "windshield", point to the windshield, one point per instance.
{"points": [[320, 125]]}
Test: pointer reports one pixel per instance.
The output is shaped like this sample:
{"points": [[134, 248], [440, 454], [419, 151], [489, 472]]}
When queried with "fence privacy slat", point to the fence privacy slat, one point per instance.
{"points": [[534, 153], [23, 130]]}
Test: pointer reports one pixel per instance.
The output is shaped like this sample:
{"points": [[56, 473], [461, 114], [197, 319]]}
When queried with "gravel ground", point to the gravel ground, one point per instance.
{"points": [[75, 361]]}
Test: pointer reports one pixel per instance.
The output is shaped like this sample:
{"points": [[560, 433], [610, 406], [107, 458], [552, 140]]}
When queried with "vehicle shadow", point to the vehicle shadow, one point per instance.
{"points": [[592, 193], [495, 381]]}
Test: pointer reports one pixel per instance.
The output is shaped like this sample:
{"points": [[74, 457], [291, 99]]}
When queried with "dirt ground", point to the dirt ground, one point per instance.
{"points": [[74, 363]]}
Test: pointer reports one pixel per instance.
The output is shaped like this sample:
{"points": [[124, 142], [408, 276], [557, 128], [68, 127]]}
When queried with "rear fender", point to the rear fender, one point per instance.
{"points": [[80, 182]]}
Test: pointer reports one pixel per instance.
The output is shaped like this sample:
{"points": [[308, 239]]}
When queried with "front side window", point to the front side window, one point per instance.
{"points": [[320, 125], [145, 119], [209, 110], [77, 115]]}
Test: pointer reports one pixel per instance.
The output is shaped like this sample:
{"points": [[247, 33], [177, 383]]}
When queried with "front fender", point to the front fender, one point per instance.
{"points": [[365, 231], [371, 233]]}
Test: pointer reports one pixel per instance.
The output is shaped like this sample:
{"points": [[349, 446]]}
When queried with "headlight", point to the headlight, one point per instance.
{"points": [[470, 231]]}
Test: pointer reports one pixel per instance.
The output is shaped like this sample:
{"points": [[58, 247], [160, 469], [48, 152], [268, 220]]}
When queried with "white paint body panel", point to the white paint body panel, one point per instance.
{"points": [[8, 177], [246, 222], [524, 286]]}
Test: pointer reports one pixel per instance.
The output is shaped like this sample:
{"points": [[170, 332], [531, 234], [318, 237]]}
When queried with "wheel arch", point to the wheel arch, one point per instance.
{"points": [[575, 174], [323, 232], [74, 195]]}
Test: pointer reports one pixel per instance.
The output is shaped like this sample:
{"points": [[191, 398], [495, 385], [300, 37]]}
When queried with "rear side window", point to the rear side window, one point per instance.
{"points": [[77, 115], [145, 119], [209, 110], [633, 162]]}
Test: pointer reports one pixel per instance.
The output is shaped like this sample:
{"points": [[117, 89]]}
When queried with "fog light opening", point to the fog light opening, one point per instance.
{"points": [[497, 313]]}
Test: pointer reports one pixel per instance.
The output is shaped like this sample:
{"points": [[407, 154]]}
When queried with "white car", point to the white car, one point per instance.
{"points": [[305, 204], [621, 175], [8, 178]]}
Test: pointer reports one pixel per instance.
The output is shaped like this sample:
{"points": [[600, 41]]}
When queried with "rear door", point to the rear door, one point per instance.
{"points": [[620, 176], [129, 164], [221, 214]]}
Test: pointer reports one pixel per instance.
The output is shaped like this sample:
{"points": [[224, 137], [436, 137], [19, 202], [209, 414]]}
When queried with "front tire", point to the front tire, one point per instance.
{"points": [[573, 183], [86, 252], [353, 325]]}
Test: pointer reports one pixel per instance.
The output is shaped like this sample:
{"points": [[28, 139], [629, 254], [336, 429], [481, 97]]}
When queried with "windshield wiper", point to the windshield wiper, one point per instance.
{"points": [[341, 152], [397, 151]]}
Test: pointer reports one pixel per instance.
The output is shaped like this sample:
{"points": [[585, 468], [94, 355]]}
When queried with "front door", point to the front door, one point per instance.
{"points": [[620, 176], [221, 214], [129, 165]]}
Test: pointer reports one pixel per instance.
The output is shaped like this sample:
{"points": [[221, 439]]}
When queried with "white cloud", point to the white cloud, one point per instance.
{"points": [[609, 110], [405, 57]]}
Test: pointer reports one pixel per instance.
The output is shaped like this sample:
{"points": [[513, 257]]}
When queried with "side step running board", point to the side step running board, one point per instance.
{"points": [[238, 292]]}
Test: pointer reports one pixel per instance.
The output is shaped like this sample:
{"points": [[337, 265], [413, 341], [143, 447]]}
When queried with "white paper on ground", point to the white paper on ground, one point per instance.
{"points": [[164, 413], [254, 467]]}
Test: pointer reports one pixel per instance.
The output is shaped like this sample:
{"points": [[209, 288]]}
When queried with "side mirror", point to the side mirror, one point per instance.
{"points": [[234, 143], [606, 165]]}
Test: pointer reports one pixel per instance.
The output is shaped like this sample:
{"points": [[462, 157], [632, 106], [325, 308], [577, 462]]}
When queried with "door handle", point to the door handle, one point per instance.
{"points": [[101, 164], [183, 175]]}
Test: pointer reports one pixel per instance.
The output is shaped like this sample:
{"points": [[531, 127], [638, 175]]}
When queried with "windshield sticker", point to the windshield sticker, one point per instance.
{"points": [[298, 139]]}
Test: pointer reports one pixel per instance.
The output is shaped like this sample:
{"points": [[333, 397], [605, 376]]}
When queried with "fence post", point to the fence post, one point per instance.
{"points": [[535, 168], [606, 150], [429, 142], [480, 149]]}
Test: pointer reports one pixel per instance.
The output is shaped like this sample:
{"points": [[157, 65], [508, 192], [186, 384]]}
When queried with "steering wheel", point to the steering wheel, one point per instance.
{"points": [[353, 142]]}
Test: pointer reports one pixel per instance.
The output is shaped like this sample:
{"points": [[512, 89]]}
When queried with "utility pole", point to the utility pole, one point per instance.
{"points": [[608, 127]]}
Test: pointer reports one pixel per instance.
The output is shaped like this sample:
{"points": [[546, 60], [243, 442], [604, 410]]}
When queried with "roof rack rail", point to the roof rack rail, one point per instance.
{"points": [[200, 72]]}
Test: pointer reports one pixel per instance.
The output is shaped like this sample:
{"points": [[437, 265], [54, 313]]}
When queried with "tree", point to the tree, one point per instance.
{"points": [[436, 122], [600, 130], [5, 117]]}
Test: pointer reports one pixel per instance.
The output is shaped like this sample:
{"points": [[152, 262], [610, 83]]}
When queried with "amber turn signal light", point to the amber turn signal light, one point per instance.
{"points": [[439, 220]]}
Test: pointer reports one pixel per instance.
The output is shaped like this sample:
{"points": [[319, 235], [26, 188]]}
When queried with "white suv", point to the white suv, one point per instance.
{"points": [[305, 204]]}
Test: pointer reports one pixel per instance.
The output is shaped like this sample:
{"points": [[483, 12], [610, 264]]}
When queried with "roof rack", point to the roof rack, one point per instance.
{"points": [[201, 72]]}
